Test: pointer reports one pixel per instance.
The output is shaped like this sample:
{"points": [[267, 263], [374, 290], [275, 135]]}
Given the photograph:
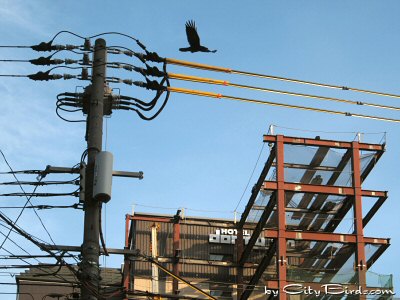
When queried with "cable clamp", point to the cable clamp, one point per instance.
{"points": [[153, 56], [43, 46], [44, 76], [154, 85], [45, 61], [154, 71]]}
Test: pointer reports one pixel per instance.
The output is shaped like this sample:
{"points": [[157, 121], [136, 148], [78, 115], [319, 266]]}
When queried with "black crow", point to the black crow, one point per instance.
{"points": [[194, 39]]}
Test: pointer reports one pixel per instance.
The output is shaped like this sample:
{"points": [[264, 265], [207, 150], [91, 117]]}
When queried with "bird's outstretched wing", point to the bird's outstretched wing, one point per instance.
{"points": [[192, 35]]}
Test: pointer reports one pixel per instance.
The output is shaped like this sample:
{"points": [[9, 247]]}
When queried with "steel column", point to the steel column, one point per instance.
{"points": [[281, 251], [361, 263]]}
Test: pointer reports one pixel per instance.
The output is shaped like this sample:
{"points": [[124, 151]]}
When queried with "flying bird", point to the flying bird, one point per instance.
{"points": [[194, 39]]}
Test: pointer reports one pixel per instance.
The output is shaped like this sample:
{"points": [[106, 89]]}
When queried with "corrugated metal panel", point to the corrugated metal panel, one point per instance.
{"points": [[142, 238], [195, 244]]}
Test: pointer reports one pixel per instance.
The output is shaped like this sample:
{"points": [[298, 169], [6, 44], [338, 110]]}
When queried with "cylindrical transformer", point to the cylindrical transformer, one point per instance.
{"points": [[103, 169]]}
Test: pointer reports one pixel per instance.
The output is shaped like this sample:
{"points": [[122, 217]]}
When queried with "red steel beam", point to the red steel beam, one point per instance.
{"points": [[323, 143], [258, 229], [259, 271], [376, 255], [321, 189], [373, 210], [371, 165], [150, 218], [324, 237]]}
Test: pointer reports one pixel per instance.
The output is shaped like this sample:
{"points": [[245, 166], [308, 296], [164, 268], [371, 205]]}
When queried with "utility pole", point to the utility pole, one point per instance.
{"points": [[89, 267]]}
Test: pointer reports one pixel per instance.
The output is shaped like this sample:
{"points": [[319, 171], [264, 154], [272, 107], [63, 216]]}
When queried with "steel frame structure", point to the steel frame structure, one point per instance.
{"points": [[312, 203], [312, 211]]}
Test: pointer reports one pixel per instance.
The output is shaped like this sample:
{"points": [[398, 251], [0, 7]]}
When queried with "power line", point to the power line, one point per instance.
{"points": [[11, 75], [251, 176], [331, 132], [299, 81], [6, 46], [323, 98], [220, 96], [13, 256], [33, 194], [14, 231], [75, 206], [29, 264], [41, 246], [26, 203]]}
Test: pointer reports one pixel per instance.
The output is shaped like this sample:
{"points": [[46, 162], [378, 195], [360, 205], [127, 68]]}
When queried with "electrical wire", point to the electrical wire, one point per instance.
{"points": [[59, 107], [333, 132], [75, 206], [151, 260], [6, 46], [323, 98], [45, 61], [140, 114], [186, 208], [251, 176], [33, 194], [292, 80], [42, 183], [143, 47], [35, 242], [66, 31], [14, 60], [13, 231], [220, 96], [15, 75], [103, 243], [28, 263], [26, 203]]}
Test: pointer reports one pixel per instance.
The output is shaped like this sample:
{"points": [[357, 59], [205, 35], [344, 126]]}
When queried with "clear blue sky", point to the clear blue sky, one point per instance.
{"points": [[199, 153]]}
